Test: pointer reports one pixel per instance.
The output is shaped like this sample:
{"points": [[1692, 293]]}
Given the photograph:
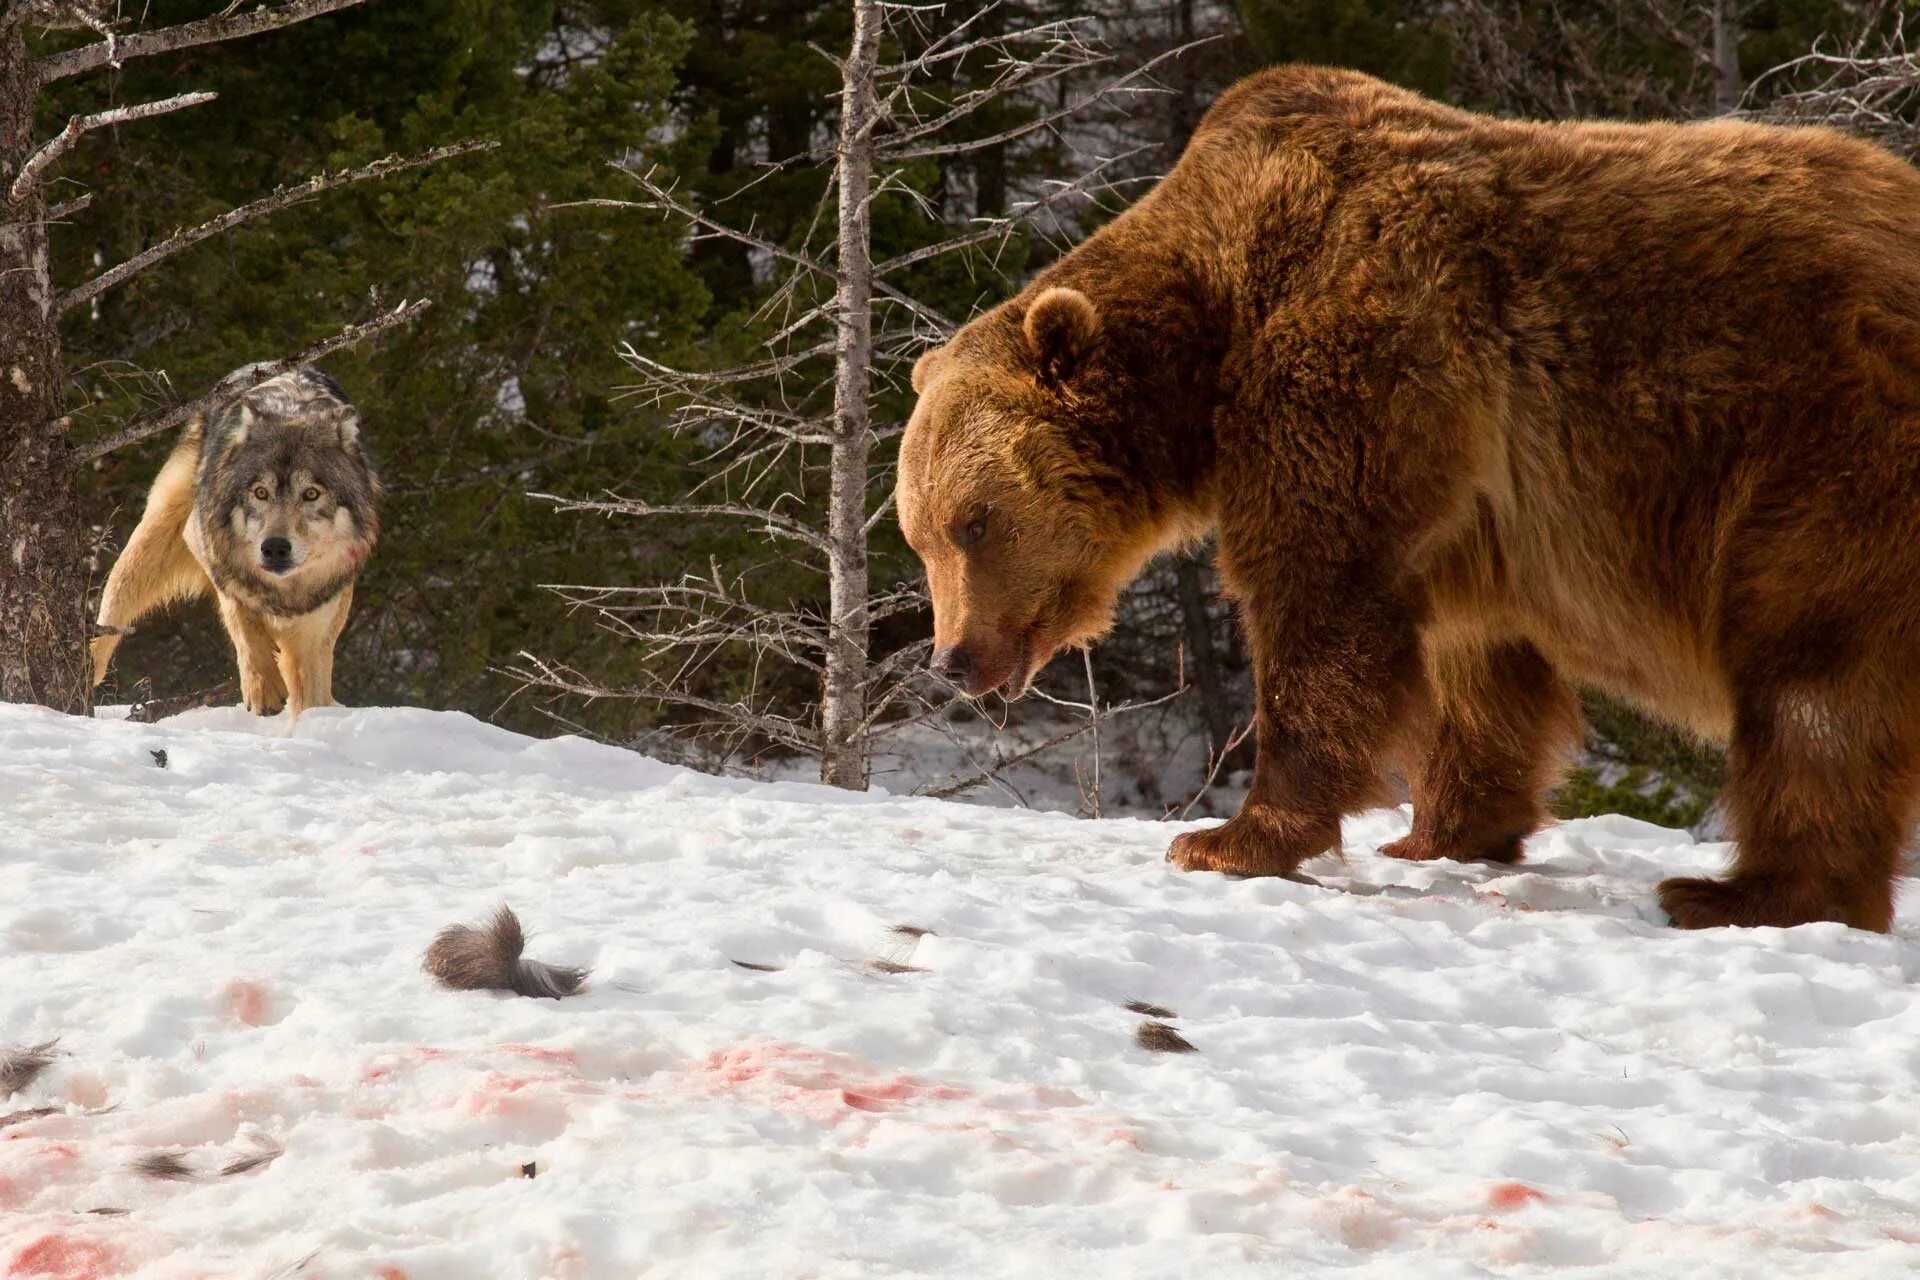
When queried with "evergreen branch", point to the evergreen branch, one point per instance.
{"points": [[226, 25], [58, 145], [154, 423], [282, 198]]}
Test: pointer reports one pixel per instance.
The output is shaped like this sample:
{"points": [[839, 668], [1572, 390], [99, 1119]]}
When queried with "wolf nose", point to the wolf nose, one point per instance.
{"points": [[276, 549], [953, 663]]}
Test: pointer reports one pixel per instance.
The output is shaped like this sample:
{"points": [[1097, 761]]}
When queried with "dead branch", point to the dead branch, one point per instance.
{"points": [[148, 710], [58, 145], [283, 198], [154, 423], [226, 25], [771, 521]]}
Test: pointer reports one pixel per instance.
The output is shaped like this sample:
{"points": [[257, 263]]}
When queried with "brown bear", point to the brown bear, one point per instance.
{"points": [[1476, 408]]}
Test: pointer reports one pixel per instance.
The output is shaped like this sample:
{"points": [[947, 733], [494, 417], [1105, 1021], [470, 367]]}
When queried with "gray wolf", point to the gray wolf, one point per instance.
{"points": [[272, 504]]}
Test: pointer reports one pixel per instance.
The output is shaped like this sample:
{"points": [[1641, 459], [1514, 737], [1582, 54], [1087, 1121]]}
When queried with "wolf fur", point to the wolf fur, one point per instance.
{"points": [[272, 504], [465, 958]]}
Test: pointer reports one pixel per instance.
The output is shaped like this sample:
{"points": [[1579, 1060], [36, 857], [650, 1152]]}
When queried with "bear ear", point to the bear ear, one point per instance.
{"points": [[1062, 327], [926, 366]]}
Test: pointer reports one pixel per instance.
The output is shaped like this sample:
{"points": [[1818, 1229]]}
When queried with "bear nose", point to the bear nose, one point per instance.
{"points": [[275, 549], [953, 663]]}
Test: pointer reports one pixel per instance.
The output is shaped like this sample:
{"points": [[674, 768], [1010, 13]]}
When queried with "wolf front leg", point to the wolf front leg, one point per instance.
{"points": [[306, 653], [1338, 678], [253, 645]]}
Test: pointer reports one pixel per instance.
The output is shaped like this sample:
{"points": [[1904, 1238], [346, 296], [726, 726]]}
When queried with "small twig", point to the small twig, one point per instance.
{"points": [[1213, 769]]}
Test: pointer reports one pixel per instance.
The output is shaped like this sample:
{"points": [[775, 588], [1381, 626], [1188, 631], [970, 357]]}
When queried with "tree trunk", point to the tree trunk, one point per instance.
{"points": [[43, 569], [843, 707], [1728, 87], [1203, 663]]}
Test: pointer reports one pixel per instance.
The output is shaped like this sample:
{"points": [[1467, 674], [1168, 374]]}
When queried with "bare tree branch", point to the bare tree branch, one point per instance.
{"points": [[58, 145], [225, 25], [283, 198], [772, 521], [154, 423]]}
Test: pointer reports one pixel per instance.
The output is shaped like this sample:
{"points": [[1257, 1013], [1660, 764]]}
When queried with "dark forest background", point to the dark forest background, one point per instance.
{"points": [[513, 383]]}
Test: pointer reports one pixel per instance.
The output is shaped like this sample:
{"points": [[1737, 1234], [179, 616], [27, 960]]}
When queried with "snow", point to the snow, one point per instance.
{"points": [[1418, 1070]]}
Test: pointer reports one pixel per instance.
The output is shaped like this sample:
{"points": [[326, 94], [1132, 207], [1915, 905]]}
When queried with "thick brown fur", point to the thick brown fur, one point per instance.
{"points": [[1477, 408], [282, 460]]}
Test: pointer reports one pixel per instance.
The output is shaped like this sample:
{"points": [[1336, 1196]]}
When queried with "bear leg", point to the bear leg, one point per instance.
{"points": [[1821, 792], [1504, 724], [1338, 683]]}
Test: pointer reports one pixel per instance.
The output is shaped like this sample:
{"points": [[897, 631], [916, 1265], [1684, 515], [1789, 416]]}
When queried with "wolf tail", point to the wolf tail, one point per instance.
{"points": [[155, 568], [470, 959]]}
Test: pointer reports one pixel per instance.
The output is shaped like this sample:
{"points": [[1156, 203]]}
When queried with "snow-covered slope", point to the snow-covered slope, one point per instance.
{"points": [[1443, 1071]]}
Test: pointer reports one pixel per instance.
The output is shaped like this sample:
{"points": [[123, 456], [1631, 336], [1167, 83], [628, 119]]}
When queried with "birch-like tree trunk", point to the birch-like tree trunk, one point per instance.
{"points": [[1728, 86], [843, 755], [43, 569]]}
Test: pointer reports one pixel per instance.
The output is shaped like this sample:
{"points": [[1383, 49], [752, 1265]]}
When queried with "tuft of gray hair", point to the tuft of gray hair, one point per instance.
{"points": [[488, 958], [166, 1166], [21, 1067]]}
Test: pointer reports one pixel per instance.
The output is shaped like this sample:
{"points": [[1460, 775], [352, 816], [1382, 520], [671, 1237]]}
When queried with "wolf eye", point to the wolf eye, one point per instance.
{"points": [[311, 495], [970, 534], [260, 491]]}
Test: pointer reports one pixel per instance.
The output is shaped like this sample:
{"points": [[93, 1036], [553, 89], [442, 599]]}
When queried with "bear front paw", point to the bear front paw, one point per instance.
{"points": [[1250, 845]]}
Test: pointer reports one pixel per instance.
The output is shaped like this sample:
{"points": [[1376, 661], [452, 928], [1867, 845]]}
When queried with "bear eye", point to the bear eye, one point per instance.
{"points": [[971, 533], [311, 495], [261, 492]]}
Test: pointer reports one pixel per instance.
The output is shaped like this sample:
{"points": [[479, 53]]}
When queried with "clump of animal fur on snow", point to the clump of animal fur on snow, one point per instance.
{"points": [[467, 958], [20, 1067]]}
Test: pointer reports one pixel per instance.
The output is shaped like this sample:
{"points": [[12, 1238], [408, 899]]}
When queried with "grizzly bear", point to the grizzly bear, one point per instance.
{"points": [[1476, 408]]}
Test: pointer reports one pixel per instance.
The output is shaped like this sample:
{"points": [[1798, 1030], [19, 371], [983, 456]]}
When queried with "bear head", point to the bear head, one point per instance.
{"points": [[1016, 493]]}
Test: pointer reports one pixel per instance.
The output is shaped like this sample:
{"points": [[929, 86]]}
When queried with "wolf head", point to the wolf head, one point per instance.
{"points": [[286, 494]]}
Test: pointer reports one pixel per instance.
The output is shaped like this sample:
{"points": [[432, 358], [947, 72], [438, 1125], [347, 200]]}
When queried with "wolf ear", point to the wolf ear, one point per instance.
{"points": [[240, 425], [347, 423], [1062, 328], [926, 366]]}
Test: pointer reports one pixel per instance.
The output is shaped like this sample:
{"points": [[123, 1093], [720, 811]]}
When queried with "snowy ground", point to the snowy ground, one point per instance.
{"points": [[1443, 1071]]}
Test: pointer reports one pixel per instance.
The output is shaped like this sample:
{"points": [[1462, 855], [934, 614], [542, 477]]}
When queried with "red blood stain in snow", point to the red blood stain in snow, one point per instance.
{"points": [[391, 1273], [65, 1258], [11, 1194], [57, 1151], [564, 1057], [1513, 1195], [246, 1003], [821, 1086]]}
